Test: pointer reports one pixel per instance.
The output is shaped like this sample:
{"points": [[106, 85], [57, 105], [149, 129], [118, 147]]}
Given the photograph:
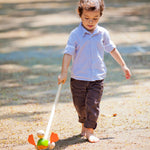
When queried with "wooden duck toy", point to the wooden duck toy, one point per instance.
{"points": [[43, 144]]}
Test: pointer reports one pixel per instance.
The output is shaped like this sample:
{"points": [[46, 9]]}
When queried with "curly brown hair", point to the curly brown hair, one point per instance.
{"points": [[85, 4]]}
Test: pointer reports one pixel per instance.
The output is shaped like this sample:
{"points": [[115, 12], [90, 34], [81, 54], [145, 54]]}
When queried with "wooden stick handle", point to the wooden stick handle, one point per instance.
{"points": [[53, 112]]}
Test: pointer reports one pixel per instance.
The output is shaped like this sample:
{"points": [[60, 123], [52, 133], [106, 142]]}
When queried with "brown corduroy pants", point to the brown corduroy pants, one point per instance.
{"points": [[86, 98]]}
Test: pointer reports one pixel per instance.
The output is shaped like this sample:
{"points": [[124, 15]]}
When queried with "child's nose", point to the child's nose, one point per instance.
{"points": [[90, 20]]}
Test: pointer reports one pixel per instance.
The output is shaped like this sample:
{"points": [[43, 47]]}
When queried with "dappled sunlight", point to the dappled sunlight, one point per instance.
{"points": [[117, 87], [132, 90], [35, 22], [118, 91], [142, 59], [18, 1], [40, 5], [35, 1], [35, 32], [15, 34], [53, 68], [130, 38], [30, 87], [40, 79], [32, 77], [9, 84], [53, 19], [42, 40], [143, 72], [12, 68], [128, 24], [20, 116]]}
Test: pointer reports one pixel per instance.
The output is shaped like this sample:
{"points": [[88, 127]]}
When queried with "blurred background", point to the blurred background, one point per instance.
{"points": [[38, 24], [33, 34]]}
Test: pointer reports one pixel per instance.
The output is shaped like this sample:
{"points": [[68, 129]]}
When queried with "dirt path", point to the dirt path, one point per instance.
{"points": [[32, 37]]}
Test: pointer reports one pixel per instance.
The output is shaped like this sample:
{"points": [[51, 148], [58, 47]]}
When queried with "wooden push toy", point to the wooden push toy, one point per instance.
{"points": [[43, 143]]}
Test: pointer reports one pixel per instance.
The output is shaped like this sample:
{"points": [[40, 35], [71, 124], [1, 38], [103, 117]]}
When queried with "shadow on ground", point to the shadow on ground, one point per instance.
{"points": [[76, 139]]}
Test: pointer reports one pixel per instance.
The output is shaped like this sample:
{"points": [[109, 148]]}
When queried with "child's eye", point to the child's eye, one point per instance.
{"points": [[95, 19], [86, 18]]}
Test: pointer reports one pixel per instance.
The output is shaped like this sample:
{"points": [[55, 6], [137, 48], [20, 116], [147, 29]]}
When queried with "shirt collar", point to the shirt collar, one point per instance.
{"points": [[84, 31]]}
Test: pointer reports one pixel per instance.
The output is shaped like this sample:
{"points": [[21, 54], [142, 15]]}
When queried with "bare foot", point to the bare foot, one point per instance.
{"points": [[83, 130], [92, 139], [90, 136]]}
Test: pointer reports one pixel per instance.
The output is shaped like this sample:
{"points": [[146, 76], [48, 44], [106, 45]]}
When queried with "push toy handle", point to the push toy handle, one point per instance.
{"points": [[53, 111]]}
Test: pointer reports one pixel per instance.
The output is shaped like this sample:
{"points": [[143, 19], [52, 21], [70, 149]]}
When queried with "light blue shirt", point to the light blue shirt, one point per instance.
{"points": [[87, 50]]}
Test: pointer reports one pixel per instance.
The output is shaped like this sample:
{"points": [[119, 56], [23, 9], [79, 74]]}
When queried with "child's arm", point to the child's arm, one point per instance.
{"points": [[116, 55], [64, 70]]}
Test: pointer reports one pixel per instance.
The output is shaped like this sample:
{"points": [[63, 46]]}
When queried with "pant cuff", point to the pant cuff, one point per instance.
{"points": [[90, 125]]}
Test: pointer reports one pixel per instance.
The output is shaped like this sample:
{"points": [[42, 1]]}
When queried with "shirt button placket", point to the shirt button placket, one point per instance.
{"points": [[92, 57]]}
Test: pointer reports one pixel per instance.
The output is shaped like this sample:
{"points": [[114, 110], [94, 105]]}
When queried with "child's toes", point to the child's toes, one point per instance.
{"points": [[92, 139]]}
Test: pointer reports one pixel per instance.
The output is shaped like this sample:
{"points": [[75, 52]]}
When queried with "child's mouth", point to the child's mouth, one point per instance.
{"points": [[90, 26]]}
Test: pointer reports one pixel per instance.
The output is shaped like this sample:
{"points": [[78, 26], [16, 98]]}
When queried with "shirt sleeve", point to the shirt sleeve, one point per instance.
{"points": [[70, 47], [108, 44]]}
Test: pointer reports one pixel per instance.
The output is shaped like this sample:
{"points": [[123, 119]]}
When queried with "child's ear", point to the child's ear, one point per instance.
{"points": [[78, 12]]}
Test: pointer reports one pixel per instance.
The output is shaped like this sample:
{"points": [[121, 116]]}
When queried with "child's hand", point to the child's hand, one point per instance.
{"points": [[127, 72], [62, 78]]}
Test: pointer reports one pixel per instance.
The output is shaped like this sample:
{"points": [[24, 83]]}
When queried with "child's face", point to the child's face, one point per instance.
{"points": [[90, 19]]}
